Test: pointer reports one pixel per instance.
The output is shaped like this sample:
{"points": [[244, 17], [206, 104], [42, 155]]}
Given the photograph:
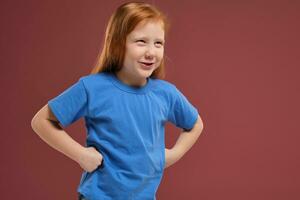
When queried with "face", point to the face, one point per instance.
{"points": [[143, 53]]}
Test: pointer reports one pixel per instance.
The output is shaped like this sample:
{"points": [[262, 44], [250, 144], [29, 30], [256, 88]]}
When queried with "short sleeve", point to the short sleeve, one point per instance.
{"points": [[182, 113], [70, 105]]}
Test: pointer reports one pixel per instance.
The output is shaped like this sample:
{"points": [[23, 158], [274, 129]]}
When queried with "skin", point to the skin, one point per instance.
{"points": [[145, 44]]}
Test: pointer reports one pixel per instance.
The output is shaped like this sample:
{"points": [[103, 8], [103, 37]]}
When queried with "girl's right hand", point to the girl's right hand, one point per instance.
{"points": [[90, 159]]}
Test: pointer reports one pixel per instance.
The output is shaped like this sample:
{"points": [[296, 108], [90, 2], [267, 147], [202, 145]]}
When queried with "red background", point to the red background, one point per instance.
{"points": [[236, 61]]}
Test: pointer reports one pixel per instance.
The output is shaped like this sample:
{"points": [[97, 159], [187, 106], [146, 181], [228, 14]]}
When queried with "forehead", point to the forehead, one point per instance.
{"points": [[148, 28]]}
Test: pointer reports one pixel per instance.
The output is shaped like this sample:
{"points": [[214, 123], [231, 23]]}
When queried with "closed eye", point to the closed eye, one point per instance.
{"points": [[141, 41], [159, 43]]}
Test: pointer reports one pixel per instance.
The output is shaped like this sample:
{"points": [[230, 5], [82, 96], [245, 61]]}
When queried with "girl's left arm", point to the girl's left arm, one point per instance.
{"points": [[184, 142]]}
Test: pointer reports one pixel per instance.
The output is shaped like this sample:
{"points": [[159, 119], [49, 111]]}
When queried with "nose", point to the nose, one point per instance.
{"points": [[150, 52]]}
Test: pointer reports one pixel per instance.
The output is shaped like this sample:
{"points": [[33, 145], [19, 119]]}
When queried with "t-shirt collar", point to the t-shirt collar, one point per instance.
{"points": [[128, 88]]}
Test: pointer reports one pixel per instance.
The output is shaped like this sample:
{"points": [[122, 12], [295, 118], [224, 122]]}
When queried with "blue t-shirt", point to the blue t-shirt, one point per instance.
{"points": [[126, 125]]}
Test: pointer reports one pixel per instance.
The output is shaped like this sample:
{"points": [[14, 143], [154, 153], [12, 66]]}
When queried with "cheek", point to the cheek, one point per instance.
{"points": [[136, 53], [132, 51], [160, 53]]}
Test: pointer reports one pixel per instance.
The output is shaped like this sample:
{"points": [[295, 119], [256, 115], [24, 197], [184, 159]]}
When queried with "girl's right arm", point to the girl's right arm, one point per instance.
{"points": [[45, 124]]}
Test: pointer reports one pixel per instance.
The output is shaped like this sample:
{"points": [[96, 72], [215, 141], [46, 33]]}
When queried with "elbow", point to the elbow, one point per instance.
{"points": [[40, 120], [200, 128], [34, 124], [199, 125]]}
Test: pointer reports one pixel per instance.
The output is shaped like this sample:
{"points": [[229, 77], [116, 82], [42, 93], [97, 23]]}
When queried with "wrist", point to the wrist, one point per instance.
{"points": [[172, 156], [80, 154]]}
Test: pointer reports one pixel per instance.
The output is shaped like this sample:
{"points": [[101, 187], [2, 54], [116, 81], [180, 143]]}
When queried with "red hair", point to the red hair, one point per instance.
{"points": [[120, 24]]}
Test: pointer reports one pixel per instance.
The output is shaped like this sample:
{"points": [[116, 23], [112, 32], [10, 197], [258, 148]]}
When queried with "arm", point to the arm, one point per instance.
{"points": [[184, 142], [45, 124]]}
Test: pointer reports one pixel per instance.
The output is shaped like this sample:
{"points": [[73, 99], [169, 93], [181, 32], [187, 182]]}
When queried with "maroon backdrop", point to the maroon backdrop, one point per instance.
{"points": [[237, 62]]}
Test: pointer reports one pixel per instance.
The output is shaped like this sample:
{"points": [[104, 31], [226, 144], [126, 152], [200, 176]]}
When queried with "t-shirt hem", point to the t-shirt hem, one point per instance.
{"points": [[192, 122], [57, 114]]}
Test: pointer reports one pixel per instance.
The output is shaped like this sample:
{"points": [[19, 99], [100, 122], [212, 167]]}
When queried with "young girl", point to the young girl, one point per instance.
{"points": [[125, 105]]}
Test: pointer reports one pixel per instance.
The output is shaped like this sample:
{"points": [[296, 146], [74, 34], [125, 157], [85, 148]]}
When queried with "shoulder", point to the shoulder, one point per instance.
{"points": [[164, 86], [165, 90], [94, 77], [95, 80]]}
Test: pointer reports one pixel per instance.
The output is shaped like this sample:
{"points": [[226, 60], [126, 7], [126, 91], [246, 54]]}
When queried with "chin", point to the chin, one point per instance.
{"points": [[145, 74]]}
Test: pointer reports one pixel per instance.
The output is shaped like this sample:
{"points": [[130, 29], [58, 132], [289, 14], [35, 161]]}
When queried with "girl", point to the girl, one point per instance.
{"points": [[125, 105]]}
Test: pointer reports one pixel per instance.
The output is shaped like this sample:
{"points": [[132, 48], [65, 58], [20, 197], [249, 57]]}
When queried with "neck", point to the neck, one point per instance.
{"points": [[131, 81]]}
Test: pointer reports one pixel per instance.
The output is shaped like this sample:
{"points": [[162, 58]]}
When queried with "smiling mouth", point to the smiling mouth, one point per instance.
{"points": [[146, 66], [145, 63]]}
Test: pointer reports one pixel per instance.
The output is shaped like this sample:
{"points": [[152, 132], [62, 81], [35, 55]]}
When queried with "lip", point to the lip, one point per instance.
{"points": [[146, 65], [146, 62]]}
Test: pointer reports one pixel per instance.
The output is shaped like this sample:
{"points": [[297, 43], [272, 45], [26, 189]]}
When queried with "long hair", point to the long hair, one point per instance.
{"points": [[121, 23]]}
